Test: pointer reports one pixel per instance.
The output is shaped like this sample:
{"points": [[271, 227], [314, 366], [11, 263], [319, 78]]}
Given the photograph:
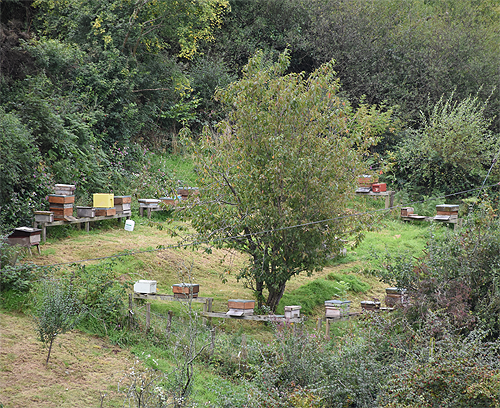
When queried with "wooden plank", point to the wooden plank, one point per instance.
{"points": [[44, 225], [260, 318], [171, 298]]}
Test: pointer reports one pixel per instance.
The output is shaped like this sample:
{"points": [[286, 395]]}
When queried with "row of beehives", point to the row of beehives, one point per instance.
{"points": [[369, 183], [61, 205], [340, 308], [244, 307], [183, 193], [444, 212]]}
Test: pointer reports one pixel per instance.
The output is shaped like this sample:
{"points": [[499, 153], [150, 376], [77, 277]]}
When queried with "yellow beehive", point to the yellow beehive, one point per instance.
{"points": [[104, 200]]}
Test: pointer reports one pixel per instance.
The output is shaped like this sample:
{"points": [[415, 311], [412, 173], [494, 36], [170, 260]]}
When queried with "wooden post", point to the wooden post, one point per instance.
{"points": [[318, 327], [212, 342], [327, 328], [169, 321], [148, 316], [207, 307], [130, 309], [244, 354], [87, 226]]}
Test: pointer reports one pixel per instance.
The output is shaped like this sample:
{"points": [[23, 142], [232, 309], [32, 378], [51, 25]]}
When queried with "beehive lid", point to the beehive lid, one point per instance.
{"points": [[447, 207], [395, 291], [335, 302]]}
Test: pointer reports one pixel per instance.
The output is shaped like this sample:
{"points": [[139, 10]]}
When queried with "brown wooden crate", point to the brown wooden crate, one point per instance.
{"points": [[122, 200], [185, 289], [447, 212], [62, 211], [104, 212], [240, 304], [61, 199]]}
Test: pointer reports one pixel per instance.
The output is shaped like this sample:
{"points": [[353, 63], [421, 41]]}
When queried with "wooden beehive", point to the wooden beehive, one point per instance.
{"points": [[64, 189], [61, 199], [169, 200], [148, 202], [394, 296], [119, 200], [370, 306], [292, 311], [61, 213], [447, 211], [379, 187], [120, 208], [103, 200], [24, 236], [337, 308], [406, 211], [44, 216], [186, 192], [185, 290], [85, 212], [240, 307], [105, 212]]}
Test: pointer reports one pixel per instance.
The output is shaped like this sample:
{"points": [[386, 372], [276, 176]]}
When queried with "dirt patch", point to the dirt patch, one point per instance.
{"points": [[81, 370]]}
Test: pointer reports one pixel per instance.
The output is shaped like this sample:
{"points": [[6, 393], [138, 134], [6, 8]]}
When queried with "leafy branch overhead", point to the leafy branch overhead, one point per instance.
{"points": [[288, 155]]}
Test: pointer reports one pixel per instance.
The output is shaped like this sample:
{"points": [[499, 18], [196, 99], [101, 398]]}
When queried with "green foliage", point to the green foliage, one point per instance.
{"points": [[287, 156], [451, 152], [456, 283], [102, 293], [15, 277], [23, 176], [411, 53], [56, 310], [453, 372]]}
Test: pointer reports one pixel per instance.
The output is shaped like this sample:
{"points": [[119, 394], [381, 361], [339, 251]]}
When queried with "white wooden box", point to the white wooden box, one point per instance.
{"points": [[145, 286], [292, 311]]}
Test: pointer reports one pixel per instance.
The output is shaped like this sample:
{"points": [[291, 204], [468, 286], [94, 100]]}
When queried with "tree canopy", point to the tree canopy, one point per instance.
{"points": [[276, 178]]}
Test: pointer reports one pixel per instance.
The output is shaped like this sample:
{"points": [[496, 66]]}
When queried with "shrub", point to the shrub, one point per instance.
{"points": [[56, 310], [14, 277]]}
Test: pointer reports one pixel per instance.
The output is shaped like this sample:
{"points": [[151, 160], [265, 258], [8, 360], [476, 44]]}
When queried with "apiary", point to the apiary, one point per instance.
{"points": [[105, 212], [379, 187], [64, 189]]}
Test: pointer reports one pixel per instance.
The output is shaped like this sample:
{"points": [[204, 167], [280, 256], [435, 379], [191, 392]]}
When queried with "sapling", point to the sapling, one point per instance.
{"points": [[56, 311]]}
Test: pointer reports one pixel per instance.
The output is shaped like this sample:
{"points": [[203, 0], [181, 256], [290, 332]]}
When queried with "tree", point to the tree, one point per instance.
{"points": [[452, 151], [285, 160], [56, 311]]}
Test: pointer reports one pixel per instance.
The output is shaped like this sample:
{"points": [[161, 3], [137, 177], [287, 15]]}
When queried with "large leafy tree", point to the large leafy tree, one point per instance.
{"points": [[284, 161]]}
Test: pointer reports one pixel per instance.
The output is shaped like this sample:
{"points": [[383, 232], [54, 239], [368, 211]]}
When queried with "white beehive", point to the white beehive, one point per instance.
{"points": [[145, 286], [292, 311]]}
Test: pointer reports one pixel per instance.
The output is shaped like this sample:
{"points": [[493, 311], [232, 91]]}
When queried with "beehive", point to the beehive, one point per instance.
{"points": [[102, 200], [337, 308], [292, 311], [240, 307], [185, 290], [145, 286]]}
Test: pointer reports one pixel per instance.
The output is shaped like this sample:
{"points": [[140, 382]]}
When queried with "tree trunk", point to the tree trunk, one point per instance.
{"points": [[50, 348], [275, 295], [259, 287]]}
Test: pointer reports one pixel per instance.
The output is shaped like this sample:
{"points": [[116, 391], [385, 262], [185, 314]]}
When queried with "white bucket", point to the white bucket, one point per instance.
{"points": [[129, 225]]}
